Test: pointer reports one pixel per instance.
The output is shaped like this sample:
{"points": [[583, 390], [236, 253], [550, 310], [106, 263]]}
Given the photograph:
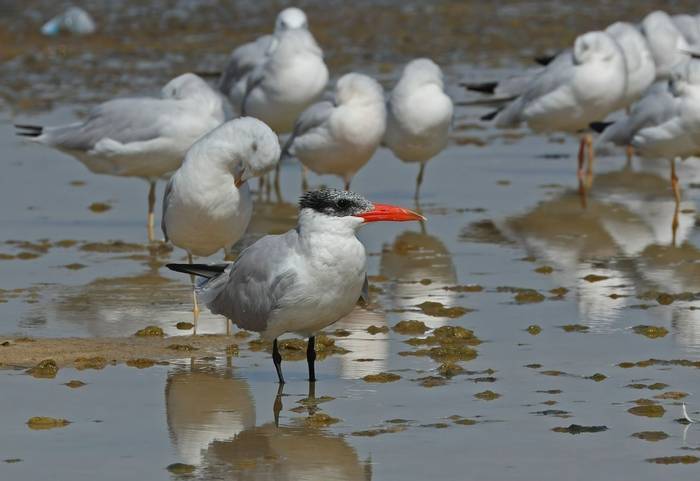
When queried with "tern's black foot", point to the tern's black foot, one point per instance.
{"points": [[311, 358], [277, 359], [277, 406]]}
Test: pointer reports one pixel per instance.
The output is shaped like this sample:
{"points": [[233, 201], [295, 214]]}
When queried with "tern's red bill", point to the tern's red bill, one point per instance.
{"points": [[392, 213]]}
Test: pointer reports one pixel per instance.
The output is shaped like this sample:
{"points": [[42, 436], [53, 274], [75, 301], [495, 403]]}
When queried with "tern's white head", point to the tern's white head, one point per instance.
{"points": [[595, 47], [356, 88], [343, 211], [420, 72], [291, 18], [185, 86], [246, 147]]}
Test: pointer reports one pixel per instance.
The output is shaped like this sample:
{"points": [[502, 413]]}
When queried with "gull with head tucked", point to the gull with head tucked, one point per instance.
{"points": [[207, 204], [339, 137], [301, 281], [139, 137], [419, 115]]}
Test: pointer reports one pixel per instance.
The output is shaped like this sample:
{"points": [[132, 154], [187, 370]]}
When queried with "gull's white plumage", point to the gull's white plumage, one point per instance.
{"points": [[245, 58], [203, 210], [665, 42], [419, 113], [639, 62], [340, 137], [568, 95], [292, 77]]}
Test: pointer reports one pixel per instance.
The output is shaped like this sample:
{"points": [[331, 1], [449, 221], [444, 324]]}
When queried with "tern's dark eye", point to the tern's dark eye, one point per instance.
{"points": [[343, 204]]}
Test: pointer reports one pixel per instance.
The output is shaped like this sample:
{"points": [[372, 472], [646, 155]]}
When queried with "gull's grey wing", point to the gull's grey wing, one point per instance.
{"points": [[656, 107], [255, 284], [254, 78], [543, 88], [312, 117], [166, 200], [123, 120], [244, 60]]}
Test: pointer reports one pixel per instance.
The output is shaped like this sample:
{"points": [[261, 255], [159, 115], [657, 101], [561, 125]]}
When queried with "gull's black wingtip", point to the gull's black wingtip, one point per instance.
{"points": [[490, 116], [25, 130], [202, 270], [483, 87], [599, 126]]}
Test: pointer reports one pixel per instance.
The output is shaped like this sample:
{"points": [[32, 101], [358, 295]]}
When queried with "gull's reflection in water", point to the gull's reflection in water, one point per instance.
{"points": [[368, 352], [211, 419], [203, 405], [627, 213], [418, 267]]}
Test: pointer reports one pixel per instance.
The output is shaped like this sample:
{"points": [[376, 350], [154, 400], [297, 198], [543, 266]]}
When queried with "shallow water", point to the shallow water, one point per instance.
{"points": [[499, 207]]}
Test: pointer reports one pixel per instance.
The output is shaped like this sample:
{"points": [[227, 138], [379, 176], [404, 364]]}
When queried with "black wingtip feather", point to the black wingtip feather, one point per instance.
{"points": [[484, 87], [202, 270], [29, 130], [490, 115], [600, 126], [544, 60]]}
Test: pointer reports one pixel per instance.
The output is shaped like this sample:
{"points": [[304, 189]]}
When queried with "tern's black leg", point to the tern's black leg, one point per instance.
{"points": [[311, 358], [277, 406], [277, 359]]}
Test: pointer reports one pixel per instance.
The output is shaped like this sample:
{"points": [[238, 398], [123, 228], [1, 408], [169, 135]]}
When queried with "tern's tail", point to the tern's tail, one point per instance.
{"points": [[482, 87], [29, 130], [208, 271]]}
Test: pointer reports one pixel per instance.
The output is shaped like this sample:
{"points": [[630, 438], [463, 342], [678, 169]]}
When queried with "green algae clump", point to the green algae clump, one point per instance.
{"points": [[45, 422], [594, 278], [648, 410], [184, 326], [651, 436], [665, 299], [574, 328], [544, 270], [74, 384], [487, 395], [597, 377], [534, 329], [578, 429], [652, 332], [377, 329], [46, 369], [675, 395], [180, 468], [449, 369], [451, 353], [410, 327], [674, 460], [150, 331], [528, 296], [436, 309], [97, 362], [320, 420], [381, 377], [140, 363], [465, 422]]}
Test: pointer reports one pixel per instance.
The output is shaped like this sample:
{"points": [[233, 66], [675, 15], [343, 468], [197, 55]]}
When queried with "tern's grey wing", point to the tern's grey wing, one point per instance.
{"points": [[256, 282], [312, 117], [122, 120], [244, 60], [166, 200]]}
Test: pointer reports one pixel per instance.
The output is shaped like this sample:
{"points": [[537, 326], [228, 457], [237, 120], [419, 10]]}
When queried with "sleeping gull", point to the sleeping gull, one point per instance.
{"points": [[419, 115], [139, 137], [207, 203], [340, 137]]}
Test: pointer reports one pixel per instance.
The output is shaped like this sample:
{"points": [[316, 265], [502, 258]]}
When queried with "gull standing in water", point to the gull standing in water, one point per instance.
{"points": [[301, 281], [419, 115], [340, 137], [207, 204], [568, 95], [139, 137], [244, 59]]}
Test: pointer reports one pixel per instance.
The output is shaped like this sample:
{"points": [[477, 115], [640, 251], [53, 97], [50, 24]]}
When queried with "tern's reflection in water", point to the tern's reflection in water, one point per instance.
{"points": [[626, 214], [368, 352], [414, 259], [211, 418]]}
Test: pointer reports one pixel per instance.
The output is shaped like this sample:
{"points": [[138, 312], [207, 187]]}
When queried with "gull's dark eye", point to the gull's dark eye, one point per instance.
{"points": [[343, 204]]}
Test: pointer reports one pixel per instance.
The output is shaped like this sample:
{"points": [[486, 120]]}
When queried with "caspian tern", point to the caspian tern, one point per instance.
{"points": [[207, 203], [419, 115], [301, 281], [139, 137], [340, 137]]}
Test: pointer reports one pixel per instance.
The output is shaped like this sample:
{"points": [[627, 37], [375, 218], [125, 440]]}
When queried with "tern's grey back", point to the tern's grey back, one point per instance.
{"points": [[250, 290]]}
